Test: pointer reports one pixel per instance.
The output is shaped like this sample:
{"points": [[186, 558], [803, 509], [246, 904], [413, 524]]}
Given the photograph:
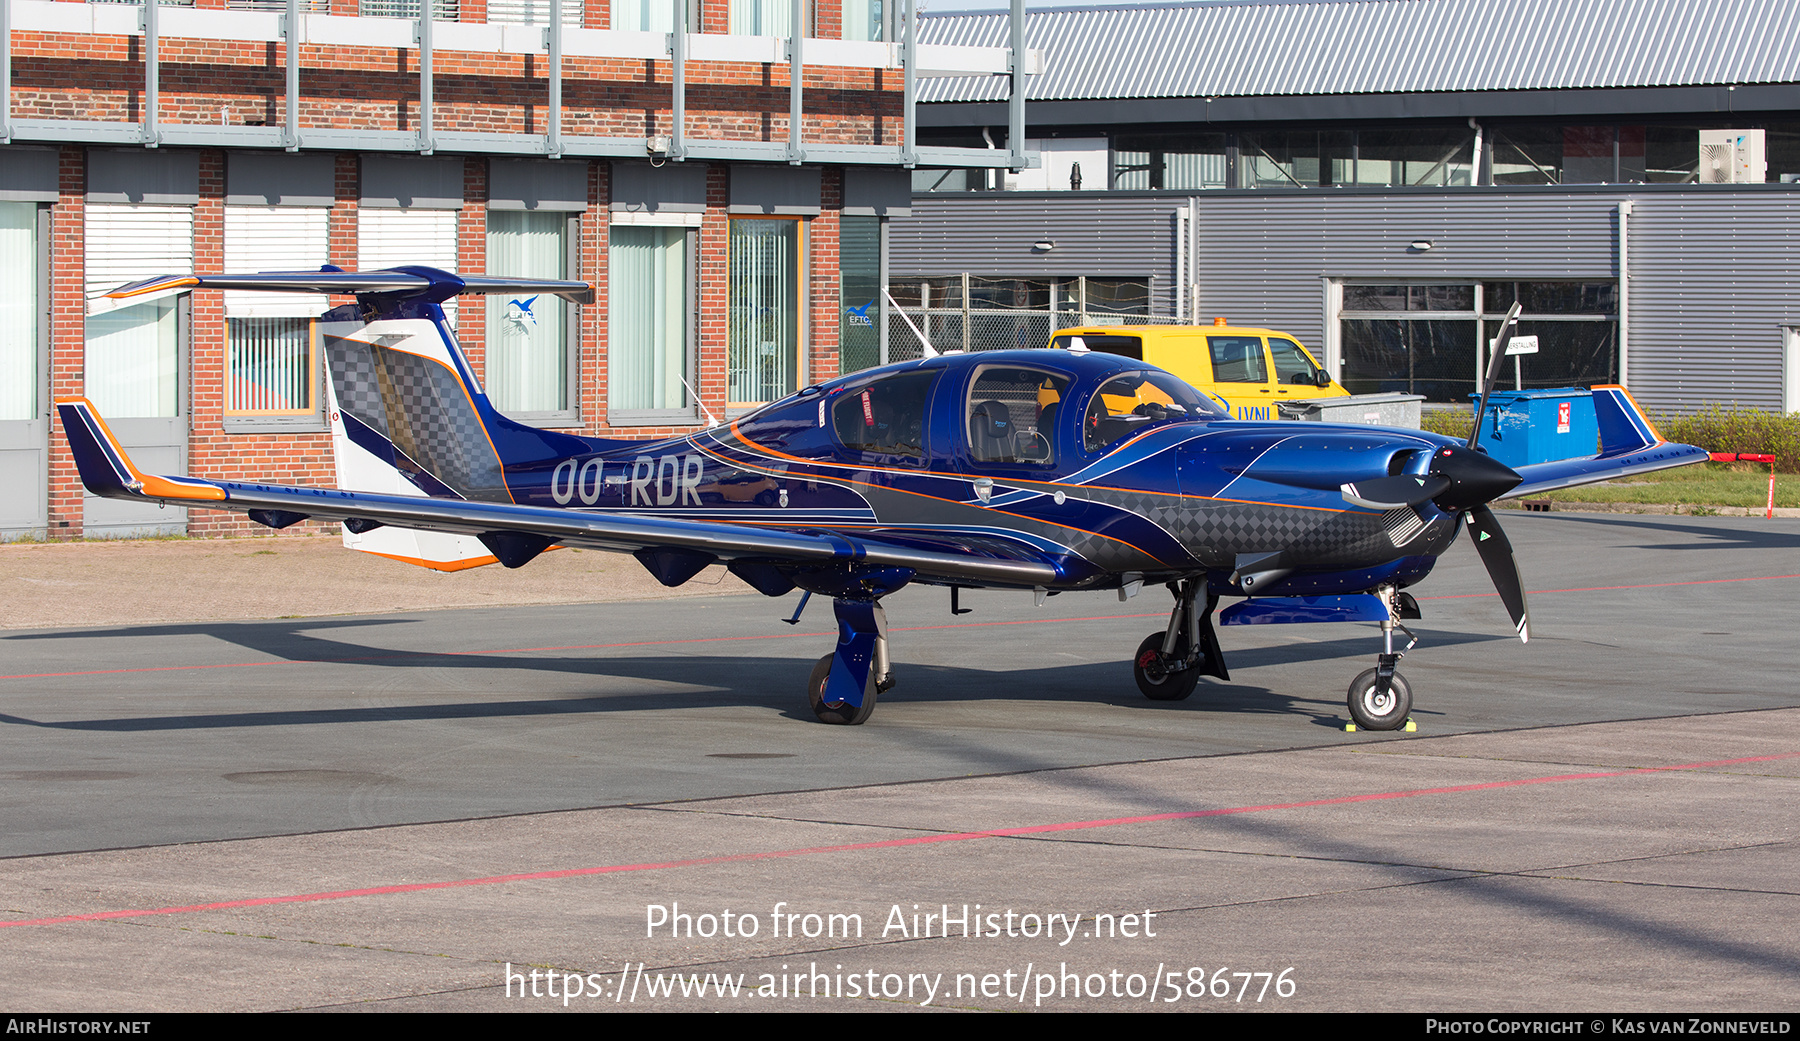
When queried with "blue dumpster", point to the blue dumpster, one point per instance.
{"points": [[1537, 426]]}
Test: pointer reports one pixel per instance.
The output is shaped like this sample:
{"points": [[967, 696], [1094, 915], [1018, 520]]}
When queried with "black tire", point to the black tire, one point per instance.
{"points": [[838, 713], [1372, 713], [1158, 685]]}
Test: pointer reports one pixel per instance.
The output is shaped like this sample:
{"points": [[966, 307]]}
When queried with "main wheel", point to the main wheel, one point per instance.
{"points": [[1384, 712], [841, 713], [1150, 669]]}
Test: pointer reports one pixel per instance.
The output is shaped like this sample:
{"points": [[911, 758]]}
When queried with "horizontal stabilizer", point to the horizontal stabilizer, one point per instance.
{"points": [[424, 282]]}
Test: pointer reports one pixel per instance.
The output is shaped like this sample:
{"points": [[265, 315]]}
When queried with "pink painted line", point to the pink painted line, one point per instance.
{"points": [[853, 847]]}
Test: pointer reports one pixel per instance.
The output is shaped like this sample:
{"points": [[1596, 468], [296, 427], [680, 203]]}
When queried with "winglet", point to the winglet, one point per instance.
{"points": [[107, 471], [1623, 426]]}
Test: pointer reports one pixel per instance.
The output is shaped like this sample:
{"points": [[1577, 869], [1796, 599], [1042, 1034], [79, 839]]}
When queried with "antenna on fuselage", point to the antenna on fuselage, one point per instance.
{"points": [[711, 420], [930, 351]]}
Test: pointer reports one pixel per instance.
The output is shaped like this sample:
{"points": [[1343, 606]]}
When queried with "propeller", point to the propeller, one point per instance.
{"points": [[1497, 554], [1484, 528], [1464, 479]]}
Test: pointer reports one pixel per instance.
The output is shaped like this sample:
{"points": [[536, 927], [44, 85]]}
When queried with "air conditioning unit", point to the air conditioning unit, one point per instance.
{"points": [[1732, 157]]}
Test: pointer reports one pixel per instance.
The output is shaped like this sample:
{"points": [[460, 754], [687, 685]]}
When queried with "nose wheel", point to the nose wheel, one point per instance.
{"points": [[1380, 698], [1375, 708]]}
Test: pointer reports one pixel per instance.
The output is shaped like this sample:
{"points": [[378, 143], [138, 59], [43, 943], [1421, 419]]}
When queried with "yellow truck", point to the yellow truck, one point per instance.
{"points": [[1250, 370]]}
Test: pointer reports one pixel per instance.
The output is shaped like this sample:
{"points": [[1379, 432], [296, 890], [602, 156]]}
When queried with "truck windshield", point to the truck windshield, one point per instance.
{"points": [[1135, 402]]}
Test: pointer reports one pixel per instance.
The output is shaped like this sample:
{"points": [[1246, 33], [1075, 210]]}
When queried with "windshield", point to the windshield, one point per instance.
{"points": [[1135, 402]]}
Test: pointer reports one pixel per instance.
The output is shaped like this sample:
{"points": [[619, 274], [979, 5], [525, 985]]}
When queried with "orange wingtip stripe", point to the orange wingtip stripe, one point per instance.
{"points": [[161, 488], [159, 286], [435, 565]]}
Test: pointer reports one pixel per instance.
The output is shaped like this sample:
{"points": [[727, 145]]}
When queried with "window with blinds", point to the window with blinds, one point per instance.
{"points": [[533, 12], [763, 17], [649, 350], [272, 363], [763, 317], [132, 360], [441, 10], [653, 16], [387, 238], [530, 353]]}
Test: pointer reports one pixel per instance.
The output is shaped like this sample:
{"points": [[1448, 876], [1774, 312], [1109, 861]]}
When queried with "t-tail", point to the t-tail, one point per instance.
{"points": [[408, 415]]}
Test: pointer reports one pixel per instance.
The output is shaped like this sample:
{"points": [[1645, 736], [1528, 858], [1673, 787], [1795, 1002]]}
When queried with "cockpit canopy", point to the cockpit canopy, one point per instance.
{"points": [[1013, 411]]}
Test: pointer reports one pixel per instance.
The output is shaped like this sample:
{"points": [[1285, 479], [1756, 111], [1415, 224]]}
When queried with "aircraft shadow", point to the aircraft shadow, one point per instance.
{"points": [[1697, 536], [709, 681]]}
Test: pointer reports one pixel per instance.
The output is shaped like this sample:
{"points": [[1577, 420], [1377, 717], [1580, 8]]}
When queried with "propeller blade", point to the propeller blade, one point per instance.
{"points": [[1497, 554], [1387, 493], [1493, 373]]}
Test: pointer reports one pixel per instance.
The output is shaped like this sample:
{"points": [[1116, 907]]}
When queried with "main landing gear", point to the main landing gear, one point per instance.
{"points": [[1380, 698], [1168, 664], [844, 684]]}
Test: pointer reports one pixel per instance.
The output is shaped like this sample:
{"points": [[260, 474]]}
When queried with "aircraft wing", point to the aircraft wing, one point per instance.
{"points": [[517, 533], [1629, 444]]}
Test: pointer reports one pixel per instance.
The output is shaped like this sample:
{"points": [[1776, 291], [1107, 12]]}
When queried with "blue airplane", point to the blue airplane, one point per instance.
{"points": [[1034, 470]]}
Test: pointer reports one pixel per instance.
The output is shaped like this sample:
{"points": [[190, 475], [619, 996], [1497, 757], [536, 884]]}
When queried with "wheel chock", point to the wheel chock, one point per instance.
{"points": [[1410, 727]]}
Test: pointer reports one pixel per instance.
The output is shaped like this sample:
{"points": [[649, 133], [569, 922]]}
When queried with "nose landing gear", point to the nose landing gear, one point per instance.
{"points": [[1380, 698]]}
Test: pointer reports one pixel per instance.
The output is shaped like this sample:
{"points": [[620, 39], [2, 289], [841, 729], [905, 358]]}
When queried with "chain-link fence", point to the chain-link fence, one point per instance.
{"points": [[971, 313]]}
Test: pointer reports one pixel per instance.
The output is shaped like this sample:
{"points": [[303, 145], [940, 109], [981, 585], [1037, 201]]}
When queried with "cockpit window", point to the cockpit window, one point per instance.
{"points": [[1012, 415], [1137, 401], [885, 417]]}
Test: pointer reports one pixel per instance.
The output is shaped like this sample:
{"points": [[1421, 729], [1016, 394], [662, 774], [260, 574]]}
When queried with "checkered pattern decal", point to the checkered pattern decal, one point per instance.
{"points": [[422, 408], [1216, 532]]}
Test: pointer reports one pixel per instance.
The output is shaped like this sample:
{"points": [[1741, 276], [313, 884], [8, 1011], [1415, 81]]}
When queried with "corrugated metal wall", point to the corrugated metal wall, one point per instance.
{"points": [[1714, 271], [1712, 275], [993, 234], [1264, 259]]}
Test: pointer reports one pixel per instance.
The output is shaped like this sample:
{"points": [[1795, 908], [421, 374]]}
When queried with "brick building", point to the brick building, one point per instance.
{"points": [[728, 204]]}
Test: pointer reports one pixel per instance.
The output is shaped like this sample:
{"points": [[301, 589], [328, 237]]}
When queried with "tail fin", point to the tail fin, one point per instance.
{"points": [[408, 417]]}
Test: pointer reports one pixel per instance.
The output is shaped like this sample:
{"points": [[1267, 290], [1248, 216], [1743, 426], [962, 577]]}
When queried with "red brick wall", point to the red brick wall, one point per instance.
{"points": [[99, 77], [67, 315]]}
